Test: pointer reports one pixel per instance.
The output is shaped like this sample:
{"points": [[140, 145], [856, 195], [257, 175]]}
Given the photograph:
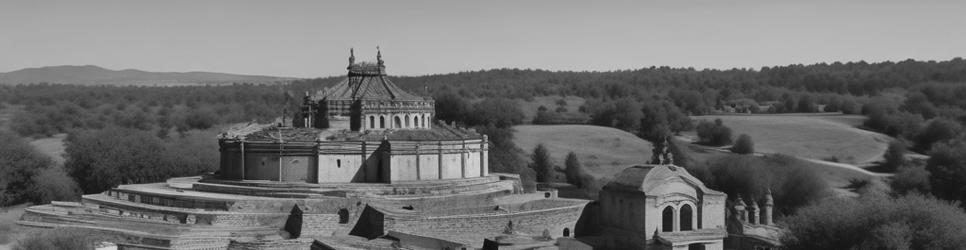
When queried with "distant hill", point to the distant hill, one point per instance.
{"points": [[94, 75]]}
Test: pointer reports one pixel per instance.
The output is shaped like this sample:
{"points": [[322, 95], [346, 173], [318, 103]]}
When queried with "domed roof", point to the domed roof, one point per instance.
{"points": [[645, 178], [366, 81]]}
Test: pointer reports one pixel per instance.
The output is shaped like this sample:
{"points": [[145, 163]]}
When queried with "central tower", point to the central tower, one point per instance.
{"points": [[369, 100]]}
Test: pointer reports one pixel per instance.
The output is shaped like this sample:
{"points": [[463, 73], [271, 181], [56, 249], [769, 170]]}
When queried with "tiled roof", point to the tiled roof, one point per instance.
{"points": [[367, 87]]}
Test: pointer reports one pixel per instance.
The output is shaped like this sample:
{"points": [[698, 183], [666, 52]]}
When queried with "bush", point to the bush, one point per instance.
{"points": [[877, 222], [102, 159], [200, 119], [59, 238], [947, 170], [713, 134], [28, 175], [910, 178], [793, 182], [895, 156], [936, 130], [743, 145]]}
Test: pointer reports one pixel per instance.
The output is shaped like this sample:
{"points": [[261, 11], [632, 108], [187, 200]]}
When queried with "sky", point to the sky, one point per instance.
{"points": [[313, 38]]}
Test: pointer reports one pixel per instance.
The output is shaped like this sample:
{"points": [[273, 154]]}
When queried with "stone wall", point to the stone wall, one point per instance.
{"points": [[476, 227]]}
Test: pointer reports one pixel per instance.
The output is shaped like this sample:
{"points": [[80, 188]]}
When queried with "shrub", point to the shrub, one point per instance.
{"points": [[910, 178], [792, 182], [743, 145], [936, 130], [713, 134], [947, 170], [895, 156], [877, 222], [28, 175], [59, 238]]}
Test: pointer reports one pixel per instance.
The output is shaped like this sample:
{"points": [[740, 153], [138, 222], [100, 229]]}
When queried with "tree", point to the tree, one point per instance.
{"points": [[450, 107], [936, 130], [102, 159], [895, 156], [909, 179], [743, 145], [573, 170], [29, 176], [947, 170], [877, 222], [713, 134], [542, 164]]}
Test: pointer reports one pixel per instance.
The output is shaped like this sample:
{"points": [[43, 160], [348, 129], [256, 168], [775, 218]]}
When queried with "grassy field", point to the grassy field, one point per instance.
{"points": [[603, 151], [831, 137]]}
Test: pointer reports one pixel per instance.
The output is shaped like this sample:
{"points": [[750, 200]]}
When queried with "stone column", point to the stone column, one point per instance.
{"points": [[463, 159], [418, 177], [753, 211], [766, 217], [740, 209], [439, 158]]}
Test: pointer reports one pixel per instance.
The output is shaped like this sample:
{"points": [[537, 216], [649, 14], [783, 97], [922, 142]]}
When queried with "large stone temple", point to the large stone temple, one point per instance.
{"points": [[361, 166]]}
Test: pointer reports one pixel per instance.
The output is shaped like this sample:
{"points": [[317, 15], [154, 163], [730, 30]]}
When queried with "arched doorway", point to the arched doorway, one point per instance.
{"points": [[407, 121], [416, 121], [382, 122], [397, 122], [667, 219], [566, 232], [686, 218]]}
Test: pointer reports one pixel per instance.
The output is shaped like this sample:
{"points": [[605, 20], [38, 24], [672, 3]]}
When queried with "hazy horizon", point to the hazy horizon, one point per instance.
{"points": [[312, 39]]}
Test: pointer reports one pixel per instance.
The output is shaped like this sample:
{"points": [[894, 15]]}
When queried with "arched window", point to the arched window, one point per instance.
{"points": [[686, 216], [424, 121], [382, 122], [338, 163], [416, 121], [667, 219], [372, 122], [397, 122], [407, 121], [343, 216]]}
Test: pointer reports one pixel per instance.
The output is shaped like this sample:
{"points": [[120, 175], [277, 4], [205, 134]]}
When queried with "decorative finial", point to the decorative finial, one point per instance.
{"points": [[352, 56], [379, 55]]}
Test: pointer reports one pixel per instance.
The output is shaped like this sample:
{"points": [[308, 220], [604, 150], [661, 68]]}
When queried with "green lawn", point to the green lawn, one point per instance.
{"points": [[603, 151], [830, 137]]}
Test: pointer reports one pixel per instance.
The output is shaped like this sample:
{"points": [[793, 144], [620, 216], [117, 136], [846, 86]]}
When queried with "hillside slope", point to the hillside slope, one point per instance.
{"points": [[94, 75], [814, 136], [603, 151]]}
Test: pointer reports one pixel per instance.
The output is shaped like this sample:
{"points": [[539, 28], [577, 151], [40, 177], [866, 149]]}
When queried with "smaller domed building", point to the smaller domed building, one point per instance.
{"points": [[654, 206]]}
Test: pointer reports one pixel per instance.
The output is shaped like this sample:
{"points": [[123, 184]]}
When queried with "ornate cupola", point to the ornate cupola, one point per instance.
{"points": [[369, 101]]}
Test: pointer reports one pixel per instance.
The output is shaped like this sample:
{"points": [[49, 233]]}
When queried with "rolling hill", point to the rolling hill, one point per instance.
{"points": [[94, 75], [602, 151], [832, 137]]}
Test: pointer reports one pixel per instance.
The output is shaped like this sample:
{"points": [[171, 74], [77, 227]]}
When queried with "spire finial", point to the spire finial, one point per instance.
{"points": [[379, 55], [352, 56]]}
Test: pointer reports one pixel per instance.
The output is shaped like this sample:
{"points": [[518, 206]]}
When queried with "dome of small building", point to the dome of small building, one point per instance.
{"points": [[645, 178]]}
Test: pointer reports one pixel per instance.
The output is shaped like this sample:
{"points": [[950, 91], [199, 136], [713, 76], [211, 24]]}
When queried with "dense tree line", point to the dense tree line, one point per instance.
{"points": [[26, 175], [102, 159], [877, 222]]}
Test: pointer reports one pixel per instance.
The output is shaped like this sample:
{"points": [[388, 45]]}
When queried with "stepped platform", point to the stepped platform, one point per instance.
{"points": [[208, 213]]}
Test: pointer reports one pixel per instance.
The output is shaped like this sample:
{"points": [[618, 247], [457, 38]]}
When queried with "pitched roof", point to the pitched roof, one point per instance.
{"points": [[368, 82], [645, 178]]}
